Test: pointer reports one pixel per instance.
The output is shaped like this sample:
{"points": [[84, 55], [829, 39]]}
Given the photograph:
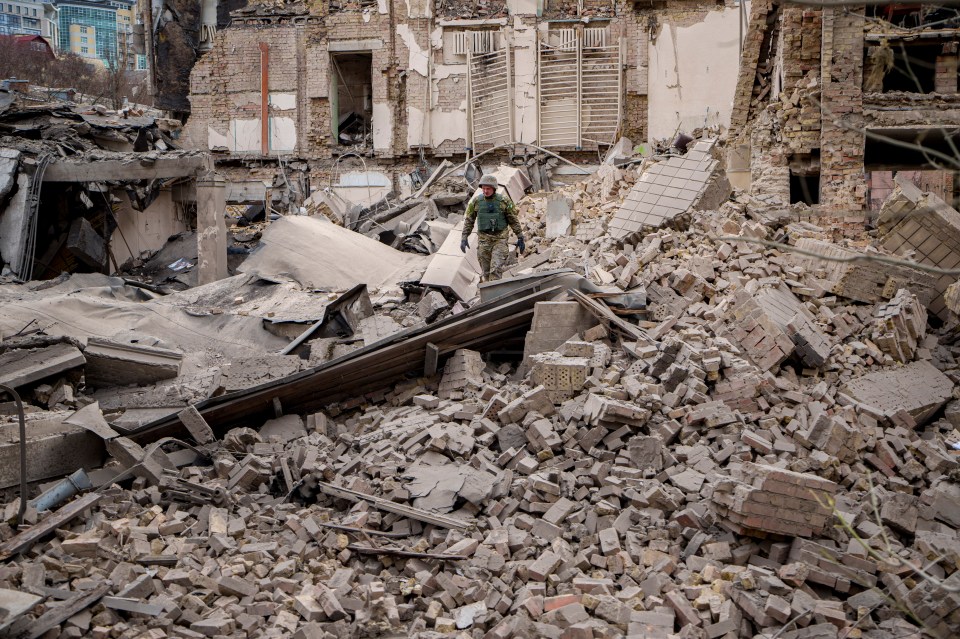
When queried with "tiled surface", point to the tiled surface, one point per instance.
{"points": [[665, 190], [932, 232]]}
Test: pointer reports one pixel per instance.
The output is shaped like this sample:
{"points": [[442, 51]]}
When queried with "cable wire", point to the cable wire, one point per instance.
{"points": [[860, 257]]}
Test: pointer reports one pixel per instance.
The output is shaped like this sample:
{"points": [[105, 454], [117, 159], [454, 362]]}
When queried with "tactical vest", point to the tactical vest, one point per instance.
{"points": [[490, 217]]}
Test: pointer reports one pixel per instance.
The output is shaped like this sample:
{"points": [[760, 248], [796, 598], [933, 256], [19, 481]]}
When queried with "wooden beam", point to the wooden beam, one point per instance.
{"points": [[35, 533], [401, 552], [118, 170], [430, 362], [56, 616], [482, 327], [380, 503]]}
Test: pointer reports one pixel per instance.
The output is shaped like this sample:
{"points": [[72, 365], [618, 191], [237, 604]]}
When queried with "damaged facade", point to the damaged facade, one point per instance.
{"points": [[258, 390], [400, 82], [830, 101]]}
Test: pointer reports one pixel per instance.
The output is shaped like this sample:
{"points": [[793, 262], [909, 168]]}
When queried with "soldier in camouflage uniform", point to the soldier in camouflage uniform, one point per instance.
{"points": [[494, 216]]}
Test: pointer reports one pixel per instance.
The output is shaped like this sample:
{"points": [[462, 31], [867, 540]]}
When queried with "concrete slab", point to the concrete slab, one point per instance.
{"points": [[112, 363], [21, 367], [918, 388], [14, 603], [54, 449], [452, 269], [12, 224], [86, 244], [558, 216], [9, 163]]}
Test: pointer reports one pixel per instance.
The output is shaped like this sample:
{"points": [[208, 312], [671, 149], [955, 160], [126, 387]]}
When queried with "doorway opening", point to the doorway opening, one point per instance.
{"points": [[351, 98], [804, 188]]}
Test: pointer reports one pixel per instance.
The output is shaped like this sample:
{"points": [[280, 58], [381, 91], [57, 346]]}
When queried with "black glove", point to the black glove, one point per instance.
{"points": [[521, 247], [464, 245]]}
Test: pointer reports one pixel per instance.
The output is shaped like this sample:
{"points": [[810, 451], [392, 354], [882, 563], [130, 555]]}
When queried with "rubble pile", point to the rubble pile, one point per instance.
{"points": [[748, 453]]}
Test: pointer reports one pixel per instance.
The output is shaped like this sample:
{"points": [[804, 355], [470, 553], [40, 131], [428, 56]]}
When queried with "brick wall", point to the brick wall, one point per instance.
{"points": [[801, 78], [945, 79], [749, 60], [225, 82], [842, 180]]}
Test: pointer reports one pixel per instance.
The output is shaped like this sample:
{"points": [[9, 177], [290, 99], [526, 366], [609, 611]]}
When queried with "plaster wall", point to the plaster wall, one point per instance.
{"points": [[693, 74], [145, 231]]}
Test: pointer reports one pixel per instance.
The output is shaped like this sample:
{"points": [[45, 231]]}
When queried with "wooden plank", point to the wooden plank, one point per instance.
{"points": [[431, 360], [400, 552], [380, 503], [364, 531], [157, 560], [603, 313], [128, 604], [56, 616], [26, 539]]}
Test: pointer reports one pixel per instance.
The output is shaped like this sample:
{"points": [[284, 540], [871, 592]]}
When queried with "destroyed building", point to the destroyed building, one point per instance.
{"points": [[831, 100], [256, 389], [402, 82]]}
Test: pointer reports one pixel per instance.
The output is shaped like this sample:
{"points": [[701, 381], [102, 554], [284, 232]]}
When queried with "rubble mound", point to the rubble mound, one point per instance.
{"points": [[767, 447]]}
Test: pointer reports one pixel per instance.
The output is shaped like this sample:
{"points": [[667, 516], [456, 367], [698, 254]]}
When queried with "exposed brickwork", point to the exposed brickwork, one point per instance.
{"points": [[945, 79], [842, 183], [771, 499], [749, 59]]}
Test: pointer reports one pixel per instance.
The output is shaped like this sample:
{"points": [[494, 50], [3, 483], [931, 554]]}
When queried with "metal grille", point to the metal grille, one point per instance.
{"points": [[490, 91], [565, 39], [475, 42], [559, 78], [600, 91], [580, 90], [595, 37]]}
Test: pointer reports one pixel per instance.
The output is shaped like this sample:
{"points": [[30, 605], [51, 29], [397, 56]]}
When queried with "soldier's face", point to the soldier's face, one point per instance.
{"points": [[487, 190]]}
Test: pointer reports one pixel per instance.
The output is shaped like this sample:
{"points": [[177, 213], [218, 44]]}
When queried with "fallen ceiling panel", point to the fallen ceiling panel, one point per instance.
{"points": [[321, 255]]}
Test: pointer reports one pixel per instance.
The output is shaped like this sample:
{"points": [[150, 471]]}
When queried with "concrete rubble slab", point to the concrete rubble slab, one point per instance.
{"points": [[9, 164], [54, 449], [453, 270], [23, 367], [112, 363], [321, 255], [513, 181], [558, 216], [917, 388], [669, 189]]}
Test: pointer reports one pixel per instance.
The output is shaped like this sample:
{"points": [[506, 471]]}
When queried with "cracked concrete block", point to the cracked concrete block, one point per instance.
{"points": [[917, 388]]}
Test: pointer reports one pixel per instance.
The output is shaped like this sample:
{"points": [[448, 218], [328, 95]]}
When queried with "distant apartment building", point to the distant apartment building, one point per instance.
{"points": [[100, 30], [29, 17]]}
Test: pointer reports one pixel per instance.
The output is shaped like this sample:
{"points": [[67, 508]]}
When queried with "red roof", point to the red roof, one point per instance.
{"points": [[29, 39]]}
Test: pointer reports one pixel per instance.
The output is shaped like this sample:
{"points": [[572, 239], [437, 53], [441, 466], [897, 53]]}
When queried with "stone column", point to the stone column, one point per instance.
{"points": [[211, 229]]}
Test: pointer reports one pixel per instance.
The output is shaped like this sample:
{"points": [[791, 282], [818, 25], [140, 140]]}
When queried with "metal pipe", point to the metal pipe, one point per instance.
{"points": [[264, 98], [23, 453], [66, 488]]}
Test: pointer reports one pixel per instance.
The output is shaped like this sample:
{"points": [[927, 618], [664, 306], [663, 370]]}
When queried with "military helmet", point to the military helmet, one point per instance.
{"points": [[488, 180]]}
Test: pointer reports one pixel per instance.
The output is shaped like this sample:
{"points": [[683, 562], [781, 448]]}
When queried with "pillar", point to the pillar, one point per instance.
{"points": [[211, 229]]}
